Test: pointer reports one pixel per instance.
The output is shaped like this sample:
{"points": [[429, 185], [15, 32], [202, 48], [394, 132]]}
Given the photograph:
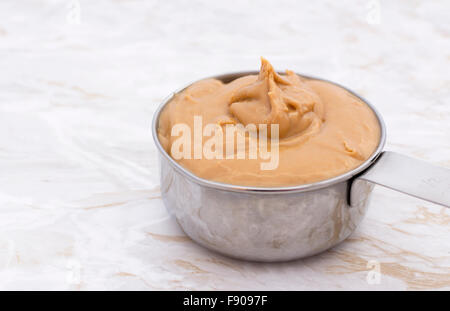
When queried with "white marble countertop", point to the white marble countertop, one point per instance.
{"points": [[80, 206]]}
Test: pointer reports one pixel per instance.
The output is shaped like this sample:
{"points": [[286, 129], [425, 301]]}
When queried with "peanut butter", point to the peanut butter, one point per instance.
{"points": [[322, 130]]}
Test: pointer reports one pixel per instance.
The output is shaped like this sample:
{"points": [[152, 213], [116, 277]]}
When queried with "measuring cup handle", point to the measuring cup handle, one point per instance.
{"points": [[414, 177]]}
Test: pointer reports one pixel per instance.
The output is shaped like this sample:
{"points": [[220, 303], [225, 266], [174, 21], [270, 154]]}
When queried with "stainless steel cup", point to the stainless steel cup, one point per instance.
{"points": [[286, 223]]}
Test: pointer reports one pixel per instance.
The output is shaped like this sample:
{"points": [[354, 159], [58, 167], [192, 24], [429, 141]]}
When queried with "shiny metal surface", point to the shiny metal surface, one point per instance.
{"points": [[264, 224], [411, 176]]}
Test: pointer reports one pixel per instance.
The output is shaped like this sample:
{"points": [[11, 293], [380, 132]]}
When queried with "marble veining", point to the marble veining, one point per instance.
{"points": [[80, 202]]}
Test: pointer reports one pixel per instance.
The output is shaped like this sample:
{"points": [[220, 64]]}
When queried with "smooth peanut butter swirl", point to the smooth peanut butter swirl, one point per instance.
{"points": [[324, 131], [273, 99]]}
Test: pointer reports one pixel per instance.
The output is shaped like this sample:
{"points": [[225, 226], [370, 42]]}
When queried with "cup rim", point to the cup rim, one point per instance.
{"points": [[227, 77]]}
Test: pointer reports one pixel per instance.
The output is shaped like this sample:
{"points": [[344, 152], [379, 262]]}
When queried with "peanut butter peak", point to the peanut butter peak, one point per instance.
{"points": [[273, 99]]}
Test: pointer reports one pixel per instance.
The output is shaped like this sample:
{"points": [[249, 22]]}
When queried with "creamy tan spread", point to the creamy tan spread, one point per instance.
{"points": [[323, 130]]}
